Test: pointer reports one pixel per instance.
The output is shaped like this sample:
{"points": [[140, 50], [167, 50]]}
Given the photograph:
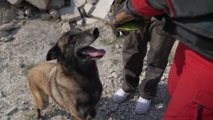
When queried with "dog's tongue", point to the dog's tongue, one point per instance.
{"points": [[97, 53], [93, 52]]}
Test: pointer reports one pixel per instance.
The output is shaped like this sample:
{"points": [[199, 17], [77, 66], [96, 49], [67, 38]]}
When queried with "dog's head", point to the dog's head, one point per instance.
{"points": [[76, 45]]}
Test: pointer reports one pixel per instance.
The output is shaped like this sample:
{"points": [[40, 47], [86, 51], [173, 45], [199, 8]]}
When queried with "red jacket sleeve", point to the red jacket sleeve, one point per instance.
{"points": [[173, 8], [143, 8]]}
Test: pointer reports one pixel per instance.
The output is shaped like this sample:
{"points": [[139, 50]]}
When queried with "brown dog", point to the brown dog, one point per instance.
{"points": [[73, 82]]}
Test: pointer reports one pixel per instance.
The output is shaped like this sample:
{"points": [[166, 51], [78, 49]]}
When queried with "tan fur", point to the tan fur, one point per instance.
{"points": [[73, 85], [47, 79]]}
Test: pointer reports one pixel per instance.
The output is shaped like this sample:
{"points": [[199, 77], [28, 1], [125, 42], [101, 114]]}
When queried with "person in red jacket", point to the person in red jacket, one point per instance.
{"points": [[190, 80]]}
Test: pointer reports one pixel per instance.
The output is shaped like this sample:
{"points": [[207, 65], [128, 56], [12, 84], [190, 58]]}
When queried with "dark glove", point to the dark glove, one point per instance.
{"points": [[116, 32], [119, 17]]}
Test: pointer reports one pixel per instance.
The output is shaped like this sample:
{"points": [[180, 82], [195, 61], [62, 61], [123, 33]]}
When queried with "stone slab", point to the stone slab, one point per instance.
{"points": [[71, 13], [89, 8], [56, 4], [80, 3], [102, 8], [15, 2], [40, 4]]}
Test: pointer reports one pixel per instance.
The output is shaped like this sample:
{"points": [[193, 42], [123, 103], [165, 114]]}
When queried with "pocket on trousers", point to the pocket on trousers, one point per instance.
{"points": [[201, 108], [204, 101]]}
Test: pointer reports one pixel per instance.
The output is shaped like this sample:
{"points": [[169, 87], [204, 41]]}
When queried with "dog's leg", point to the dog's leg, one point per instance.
{"points": [[40, 99], [38, 114], [76, 114], [93, 113], [38, 106]]}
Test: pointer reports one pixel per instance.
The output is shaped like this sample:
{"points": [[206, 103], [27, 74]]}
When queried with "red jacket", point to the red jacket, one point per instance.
{"points": [[191, 20]]}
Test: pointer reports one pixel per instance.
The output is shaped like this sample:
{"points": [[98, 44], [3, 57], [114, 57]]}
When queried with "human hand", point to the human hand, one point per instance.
{"points": [[114, 26], [118, 17], [117, 21]]}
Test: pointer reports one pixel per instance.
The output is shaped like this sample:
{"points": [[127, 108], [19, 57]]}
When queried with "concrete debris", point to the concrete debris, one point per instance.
{"points": [[6, 39], [93, 2], [8, 26], [4, 33], [45, 16], [102, 8], [56, 4], [80, 3], [54, 14], [117, 46], [66, 27], [91, 20], [28, 12], [40, 4], [89, 8], [20, 14], [15, 2], [69, 14], [74, 11]]}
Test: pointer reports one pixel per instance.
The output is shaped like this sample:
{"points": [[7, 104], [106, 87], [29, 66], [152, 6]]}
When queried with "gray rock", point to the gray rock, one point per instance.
{"points": [[81, 22], [20, 14], [80, 3], [56, 4], [40, 4], [45, 16], [20, 17], [12, 110], [15, 2], [91, 20], [102, 8], [28, 12], [21, 23], [66, 27], [117, 46], [113, 75], [110, 118], [6, 39], [89, 8], [69, 14], [93, 2], [8, 26], [24, 103], [54, 14], [4, 33]]}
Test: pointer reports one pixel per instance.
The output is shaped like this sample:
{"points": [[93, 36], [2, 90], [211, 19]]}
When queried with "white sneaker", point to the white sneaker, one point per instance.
{"points": [[142, 105], [120, 96]]}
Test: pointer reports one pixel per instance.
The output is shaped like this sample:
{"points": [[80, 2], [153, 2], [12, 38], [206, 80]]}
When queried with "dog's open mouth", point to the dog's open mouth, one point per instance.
{"points": [[91, 52]]}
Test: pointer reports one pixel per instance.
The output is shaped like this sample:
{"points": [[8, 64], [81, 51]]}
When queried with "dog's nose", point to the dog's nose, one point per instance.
{"points": [[95, 32]]}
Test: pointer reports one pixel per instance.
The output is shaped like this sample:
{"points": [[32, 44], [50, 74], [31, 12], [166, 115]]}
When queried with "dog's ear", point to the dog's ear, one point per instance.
{"points": [[52, 53]]}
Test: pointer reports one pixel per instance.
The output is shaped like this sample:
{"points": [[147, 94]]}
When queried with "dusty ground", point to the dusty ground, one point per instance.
{"points": [[30, 45]]}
